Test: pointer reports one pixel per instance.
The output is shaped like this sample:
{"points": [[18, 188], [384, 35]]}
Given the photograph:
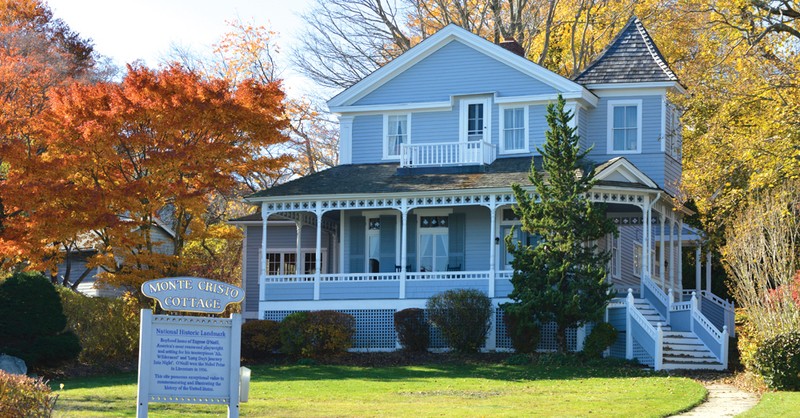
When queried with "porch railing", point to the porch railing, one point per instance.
{"points": [[446, 154], [719, 311], [641, 335], [716, 340], [390, 285]]}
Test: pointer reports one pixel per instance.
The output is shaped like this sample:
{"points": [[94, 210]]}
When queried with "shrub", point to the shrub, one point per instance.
{"points": [[316, 333], [22, 396], [412, 329], [778, 361], [463, 317], [524, 332], [601, 337], [747, 340], [108, 328], [32, 322], [260, 339], [292, 332]]}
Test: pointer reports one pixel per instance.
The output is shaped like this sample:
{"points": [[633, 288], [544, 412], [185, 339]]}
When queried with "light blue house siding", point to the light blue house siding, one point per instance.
{"points": [[651, 159], [367, 139], [433, 127], [454, 69]]}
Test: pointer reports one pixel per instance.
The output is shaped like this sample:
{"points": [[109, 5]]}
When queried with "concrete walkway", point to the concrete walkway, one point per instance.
{"points": [[724, 400]]}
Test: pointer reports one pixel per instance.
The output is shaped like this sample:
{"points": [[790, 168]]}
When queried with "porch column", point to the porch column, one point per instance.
{"points": [[318, 254], [403, 248], [645, 213], [672, 252], [298, 247], [340, 247], [708, 271], [647, 237], [661, 270], [263, 259], [697, 262], [679, 266], [492, 245]]}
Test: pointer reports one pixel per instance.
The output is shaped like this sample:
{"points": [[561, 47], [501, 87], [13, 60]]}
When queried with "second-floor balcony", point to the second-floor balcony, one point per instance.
{"points": [[446, 154]]}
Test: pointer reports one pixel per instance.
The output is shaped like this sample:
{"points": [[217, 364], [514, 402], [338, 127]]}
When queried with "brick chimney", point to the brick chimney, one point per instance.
{"points": [[512, 45]]}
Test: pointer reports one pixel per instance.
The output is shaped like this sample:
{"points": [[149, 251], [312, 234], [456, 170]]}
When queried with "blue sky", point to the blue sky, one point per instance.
{"points": [[128, 30]]}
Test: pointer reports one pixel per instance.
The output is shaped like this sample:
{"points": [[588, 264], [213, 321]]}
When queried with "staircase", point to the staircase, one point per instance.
{"points": [[682, 349]]}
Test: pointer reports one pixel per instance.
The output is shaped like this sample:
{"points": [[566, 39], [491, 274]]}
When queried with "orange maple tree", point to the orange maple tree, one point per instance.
{"points": [[121, 159], [37, 53]]}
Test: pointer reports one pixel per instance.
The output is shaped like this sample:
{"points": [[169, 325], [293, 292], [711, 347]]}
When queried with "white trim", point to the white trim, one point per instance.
{"points": [[626, 169], [393, 196], [663, 138], [394, 107], [538, 99], [502, 132], [633, 87], [386, 116], [345, 139], [610, 125], [432, 44], [463, 109]]}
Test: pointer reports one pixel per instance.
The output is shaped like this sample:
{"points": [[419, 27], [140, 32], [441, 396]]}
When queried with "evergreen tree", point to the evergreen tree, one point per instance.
{"points": [[561, 278]]}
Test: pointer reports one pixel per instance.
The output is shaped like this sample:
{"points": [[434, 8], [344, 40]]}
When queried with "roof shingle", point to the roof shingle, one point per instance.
{"points": [[631, 58]]}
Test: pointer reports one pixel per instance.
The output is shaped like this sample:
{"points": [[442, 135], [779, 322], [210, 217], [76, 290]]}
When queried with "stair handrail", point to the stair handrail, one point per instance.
{"points": [[719, 337], [655, 333], [663, 298]]}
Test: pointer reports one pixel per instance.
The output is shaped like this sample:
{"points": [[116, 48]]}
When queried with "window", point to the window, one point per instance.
{"points": [[309, 263], [396, 132], [284, 263], [624, 126], [637, 259], [514, 130], [615, 264], [281, 264]]}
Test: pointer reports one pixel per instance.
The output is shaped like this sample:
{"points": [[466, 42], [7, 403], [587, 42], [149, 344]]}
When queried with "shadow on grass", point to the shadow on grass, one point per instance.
{"points": [[542, 367]]}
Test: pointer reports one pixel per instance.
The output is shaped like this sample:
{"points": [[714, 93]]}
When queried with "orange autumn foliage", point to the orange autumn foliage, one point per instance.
{"points": [[118, 158], [37, 53]]}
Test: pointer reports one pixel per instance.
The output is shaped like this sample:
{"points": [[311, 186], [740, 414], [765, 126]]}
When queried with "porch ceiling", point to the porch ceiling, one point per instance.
{"points": [[358, 179]]}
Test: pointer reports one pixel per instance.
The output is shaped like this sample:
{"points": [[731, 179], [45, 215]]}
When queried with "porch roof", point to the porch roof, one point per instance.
{"points": [[384, 178]]}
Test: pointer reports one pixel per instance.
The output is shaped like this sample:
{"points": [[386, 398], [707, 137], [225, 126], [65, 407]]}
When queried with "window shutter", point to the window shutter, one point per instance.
{"points": [[357, 246], [411, 252], [456, 232], [388, 243]]}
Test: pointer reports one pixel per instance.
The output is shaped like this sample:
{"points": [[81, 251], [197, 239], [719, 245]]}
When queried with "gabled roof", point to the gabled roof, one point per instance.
{"points": [[441, 38], [621, 170], [632, 57]]}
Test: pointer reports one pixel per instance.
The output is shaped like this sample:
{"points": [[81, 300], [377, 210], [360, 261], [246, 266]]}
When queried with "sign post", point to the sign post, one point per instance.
{"points": [[190, 359]]}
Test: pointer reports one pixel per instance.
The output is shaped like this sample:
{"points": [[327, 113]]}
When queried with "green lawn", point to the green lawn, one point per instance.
{"points": [[776, 404], [418, 391]]}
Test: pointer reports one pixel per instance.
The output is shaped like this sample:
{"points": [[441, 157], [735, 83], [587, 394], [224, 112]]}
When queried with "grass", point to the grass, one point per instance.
{"points": [[776, 404], [431, 390]]}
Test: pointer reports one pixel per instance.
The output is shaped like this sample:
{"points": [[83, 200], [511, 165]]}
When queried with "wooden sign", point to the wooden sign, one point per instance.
{"points": [[190, 359]]}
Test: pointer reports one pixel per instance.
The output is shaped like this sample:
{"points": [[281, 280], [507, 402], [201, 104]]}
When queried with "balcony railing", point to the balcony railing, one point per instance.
{"points": [[446, 154]]}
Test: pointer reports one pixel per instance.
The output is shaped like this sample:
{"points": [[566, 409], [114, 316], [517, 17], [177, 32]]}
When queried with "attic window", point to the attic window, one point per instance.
{"points": [[624, 126]]}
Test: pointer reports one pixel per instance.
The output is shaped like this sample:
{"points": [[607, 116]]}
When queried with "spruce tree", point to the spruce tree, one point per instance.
{"points": [[562, 277]]}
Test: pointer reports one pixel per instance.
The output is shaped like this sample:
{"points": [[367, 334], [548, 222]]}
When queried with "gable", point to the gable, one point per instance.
{"points": [[455, 69], [491, 63], [621, 170]]}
